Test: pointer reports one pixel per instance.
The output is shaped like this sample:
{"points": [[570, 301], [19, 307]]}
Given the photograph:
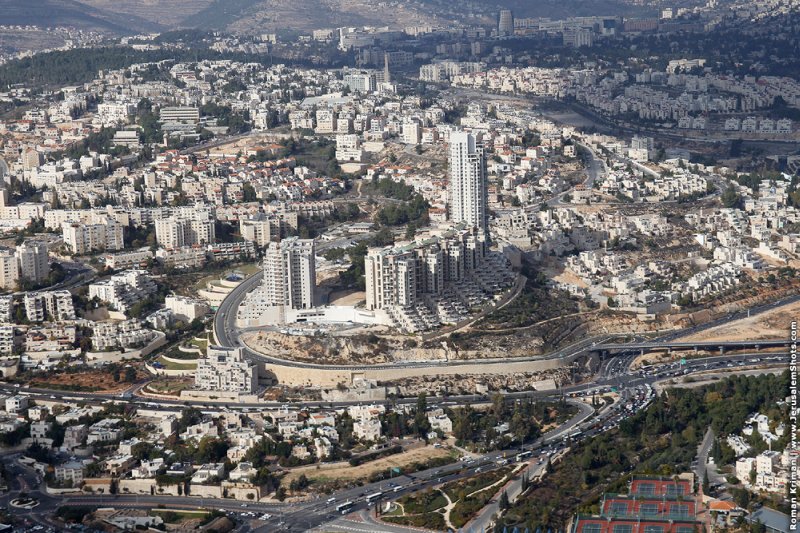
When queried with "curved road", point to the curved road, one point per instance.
{"points": [[226, 334]]}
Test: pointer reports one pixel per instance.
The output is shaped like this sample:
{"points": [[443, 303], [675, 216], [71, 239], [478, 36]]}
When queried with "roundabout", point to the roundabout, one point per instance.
{"points": [[24, 502]]}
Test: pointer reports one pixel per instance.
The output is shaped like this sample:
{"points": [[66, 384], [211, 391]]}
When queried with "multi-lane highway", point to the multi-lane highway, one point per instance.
{"points": [[613, 375], [633, 389]]}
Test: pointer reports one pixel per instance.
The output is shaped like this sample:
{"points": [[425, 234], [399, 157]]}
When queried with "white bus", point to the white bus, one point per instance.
{"points": [[372, 497], [344, 507], [523, 455]]}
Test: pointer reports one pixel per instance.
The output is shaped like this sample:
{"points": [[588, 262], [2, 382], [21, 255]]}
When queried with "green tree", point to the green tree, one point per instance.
{"points": [[730, 198], [503, 503], [421, 424], [249, 193]]}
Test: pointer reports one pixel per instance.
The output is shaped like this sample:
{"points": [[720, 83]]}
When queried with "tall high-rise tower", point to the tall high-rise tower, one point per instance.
{"points": [[33, 262], [468, 193], [505, 22], [289, 273]]}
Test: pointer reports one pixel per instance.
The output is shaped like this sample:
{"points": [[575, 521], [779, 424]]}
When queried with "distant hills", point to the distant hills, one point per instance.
{"points": [[73, 13], [261, 16]]}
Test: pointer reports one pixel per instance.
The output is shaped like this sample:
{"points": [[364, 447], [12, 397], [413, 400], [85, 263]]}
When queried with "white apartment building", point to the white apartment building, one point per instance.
{"points": [[367, 429], [123, 290], [6, 340], [33, 262], [468, 186], [39, 430], [290, 273], [225, 369], [109, 335], [133, 259], [74, 436], [6, 308], [175, 119], [16, 403], [29, 262], [183, 257], [362, 82], [348, 147], [412, 132], [84, 238], [111, 114], [72, 471], [186, 228], [55, 305], [9, 270], [260, 232], [186, 309], [400, 276], [326, 121]]}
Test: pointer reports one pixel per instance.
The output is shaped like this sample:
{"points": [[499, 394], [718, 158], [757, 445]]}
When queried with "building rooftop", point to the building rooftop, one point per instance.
{"points": [[775, 521]]}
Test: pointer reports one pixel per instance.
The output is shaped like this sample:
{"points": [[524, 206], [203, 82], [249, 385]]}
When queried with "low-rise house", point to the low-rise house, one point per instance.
{"points": [[439, 421], [243, 472], [367, 430], [198, 431], [40, 430], [148, 469], [119, 465], [74, 436], [208, 472], [69, 472]]}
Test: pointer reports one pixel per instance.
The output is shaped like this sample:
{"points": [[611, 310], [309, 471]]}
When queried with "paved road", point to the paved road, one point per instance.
{"points": [[702, 454], [513, 490], [596, 167], [309, 515], [226, 334]]}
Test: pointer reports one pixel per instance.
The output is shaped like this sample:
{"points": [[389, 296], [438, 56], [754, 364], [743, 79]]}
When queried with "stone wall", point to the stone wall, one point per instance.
{"points": [[300, 376]]}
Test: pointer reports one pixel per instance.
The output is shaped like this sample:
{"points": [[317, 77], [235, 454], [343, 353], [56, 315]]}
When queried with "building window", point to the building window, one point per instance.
{"points": [[653, 529], [623, 528]]}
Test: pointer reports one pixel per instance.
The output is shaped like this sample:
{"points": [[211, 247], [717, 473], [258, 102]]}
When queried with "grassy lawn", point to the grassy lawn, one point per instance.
{"points": [[458, 489], [170, 386], [425, 508], [424, 502], [168, 365], [396, 511], [248, 269], [201, 344]]}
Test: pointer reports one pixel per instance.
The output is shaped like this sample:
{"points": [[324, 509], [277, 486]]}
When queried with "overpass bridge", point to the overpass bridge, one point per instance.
{"points": [[609, 349]]}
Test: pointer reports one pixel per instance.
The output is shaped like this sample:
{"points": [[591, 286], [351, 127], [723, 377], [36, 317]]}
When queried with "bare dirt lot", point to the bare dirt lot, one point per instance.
{"points": [[92, 381], [347, 297], [345, 472], [772, 324]]}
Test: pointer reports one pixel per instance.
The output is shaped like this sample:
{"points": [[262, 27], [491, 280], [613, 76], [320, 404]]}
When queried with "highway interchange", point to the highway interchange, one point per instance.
{"points": [[634, 391]]}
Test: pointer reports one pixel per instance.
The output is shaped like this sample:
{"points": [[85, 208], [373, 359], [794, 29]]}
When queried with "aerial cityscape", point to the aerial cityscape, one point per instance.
{"points": [[333, 266]]}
